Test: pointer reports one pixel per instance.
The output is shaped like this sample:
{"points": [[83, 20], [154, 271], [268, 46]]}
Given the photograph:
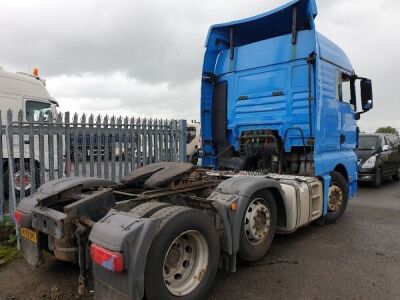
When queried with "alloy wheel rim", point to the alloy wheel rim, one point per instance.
{"points": [[185, 263], [257, 222], [335, 198], [26, 178]]}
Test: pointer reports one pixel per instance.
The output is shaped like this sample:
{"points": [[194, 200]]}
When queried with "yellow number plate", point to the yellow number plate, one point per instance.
{"points": [[29, 235]]}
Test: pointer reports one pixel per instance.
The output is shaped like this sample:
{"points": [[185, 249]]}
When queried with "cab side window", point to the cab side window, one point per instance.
{"points": [[345, 89]]}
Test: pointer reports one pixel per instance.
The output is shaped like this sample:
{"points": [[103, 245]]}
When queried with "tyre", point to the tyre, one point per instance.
{"points": [[183, 258], [337, 198], [258, 226], [396, 176], [378, 179], [147, 209]]}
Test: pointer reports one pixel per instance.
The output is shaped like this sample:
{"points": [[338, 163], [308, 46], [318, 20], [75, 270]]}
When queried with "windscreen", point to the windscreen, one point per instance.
{"points": [[368, 143], [34, 109]]}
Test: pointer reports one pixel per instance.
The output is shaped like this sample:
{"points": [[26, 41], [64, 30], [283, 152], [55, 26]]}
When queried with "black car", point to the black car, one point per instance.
{"points": [[378, 158]]}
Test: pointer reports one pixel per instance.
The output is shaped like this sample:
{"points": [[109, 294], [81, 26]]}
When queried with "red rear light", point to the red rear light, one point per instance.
{"points": [[18, 217], [110, 260]]}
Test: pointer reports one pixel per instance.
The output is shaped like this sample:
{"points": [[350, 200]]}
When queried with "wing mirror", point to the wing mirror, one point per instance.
{"points": [[367, 98], [366, 94], [385, 148]]}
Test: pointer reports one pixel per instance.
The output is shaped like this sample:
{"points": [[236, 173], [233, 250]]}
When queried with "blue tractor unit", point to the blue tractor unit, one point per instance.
{"points": [[280, 97], [278, 120]]}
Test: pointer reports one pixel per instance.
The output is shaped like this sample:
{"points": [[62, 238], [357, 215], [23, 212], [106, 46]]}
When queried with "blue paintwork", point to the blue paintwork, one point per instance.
{"points": [[266, 61]]}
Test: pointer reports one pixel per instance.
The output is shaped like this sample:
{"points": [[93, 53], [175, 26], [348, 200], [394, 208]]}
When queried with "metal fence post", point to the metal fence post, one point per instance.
{"points": [[60, 145], [84, 145], [21, 168], [50, 147], [119, 132], [2, 196], [182, 141], [10, 147], [67, 145], [99, 154], [106, 148], [76, 145], [91, 140], [113, 129], [32, 165]]}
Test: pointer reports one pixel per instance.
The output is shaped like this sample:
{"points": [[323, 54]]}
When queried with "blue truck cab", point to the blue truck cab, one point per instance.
{"points": [[280, 97]]}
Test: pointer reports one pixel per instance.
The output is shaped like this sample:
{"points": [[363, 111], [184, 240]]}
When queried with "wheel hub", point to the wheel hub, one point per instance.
{"points": [[25, 180], [185, 263], [257, 222], [335, 198]]}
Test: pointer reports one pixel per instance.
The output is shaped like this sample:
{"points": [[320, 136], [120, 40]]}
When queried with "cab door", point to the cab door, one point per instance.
{"points": [[347, 99]]}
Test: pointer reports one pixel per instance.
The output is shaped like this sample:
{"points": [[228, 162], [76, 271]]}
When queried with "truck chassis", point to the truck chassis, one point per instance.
{"points": [[75, 219]]}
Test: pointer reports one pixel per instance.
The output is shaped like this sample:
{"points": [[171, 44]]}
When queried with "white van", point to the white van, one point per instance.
{"points": [[26, 92], [193, 141]]}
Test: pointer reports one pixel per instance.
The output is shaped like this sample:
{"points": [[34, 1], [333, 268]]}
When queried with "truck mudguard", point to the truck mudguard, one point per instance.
{"points": [[238, 190], [123, 232]]}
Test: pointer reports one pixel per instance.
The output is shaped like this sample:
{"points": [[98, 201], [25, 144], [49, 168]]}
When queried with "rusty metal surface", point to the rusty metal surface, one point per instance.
{"points": [[158, 175], [94, 206], [66, 251]]}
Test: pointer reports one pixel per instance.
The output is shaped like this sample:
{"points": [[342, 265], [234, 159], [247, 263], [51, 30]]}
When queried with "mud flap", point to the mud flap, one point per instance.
{"points": [[124, 233], [32, 252]]}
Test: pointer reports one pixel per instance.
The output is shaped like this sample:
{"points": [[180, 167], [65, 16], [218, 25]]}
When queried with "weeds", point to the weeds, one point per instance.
{"points": [[8, 241]]}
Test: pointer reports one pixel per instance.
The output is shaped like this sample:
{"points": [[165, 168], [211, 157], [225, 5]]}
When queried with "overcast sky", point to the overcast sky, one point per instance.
{"points": [[143, 58]]}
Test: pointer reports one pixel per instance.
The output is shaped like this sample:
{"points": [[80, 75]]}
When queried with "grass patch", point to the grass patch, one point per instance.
{"points": [[8, 254], [8, 242]]}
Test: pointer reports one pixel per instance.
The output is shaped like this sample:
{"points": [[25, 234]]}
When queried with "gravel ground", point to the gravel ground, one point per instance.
{"points": [[357, 258]]}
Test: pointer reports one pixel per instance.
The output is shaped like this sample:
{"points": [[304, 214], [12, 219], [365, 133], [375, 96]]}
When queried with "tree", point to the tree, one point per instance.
{"points": [[387, 129]]}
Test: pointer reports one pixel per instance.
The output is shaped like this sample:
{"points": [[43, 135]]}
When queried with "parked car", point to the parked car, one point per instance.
{"points": [[378, 158]]}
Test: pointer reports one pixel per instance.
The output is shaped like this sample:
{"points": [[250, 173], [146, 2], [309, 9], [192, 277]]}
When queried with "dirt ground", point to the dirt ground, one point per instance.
{"points": [[54, 280], [357, 258]]}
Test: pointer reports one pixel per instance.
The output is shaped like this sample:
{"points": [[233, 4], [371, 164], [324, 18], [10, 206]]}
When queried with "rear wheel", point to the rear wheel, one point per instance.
{"points": [[183, 258], [258, 226], [337, 197]]}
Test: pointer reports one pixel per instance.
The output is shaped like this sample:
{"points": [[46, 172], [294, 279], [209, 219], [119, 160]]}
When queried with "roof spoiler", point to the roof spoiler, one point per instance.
{"points": [[288, 19]]}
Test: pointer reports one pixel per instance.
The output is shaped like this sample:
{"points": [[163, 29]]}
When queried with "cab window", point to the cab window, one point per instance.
{"points": [[345, 90], [191, 134], [34, 109]]}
